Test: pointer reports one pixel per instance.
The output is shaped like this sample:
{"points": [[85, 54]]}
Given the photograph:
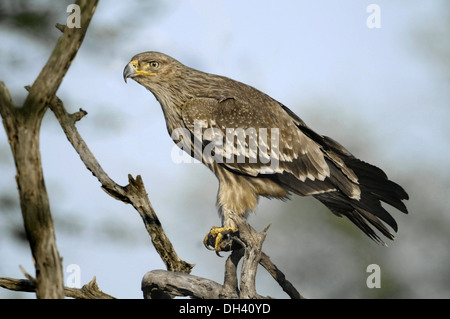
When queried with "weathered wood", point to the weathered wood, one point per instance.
{"points": [[279, 277], [49, 79], [170, 283], [164, 284], [250, 263], [88, 291], [23, 137], [134, 193], [22, 126], [230, 282]]}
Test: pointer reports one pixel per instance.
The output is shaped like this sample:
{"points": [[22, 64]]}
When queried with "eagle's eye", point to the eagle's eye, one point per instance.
{"points": [[154, 64]]}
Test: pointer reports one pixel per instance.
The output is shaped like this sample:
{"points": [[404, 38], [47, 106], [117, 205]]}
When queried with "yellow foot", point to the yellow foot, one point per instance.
{"points": [[220, 238]]}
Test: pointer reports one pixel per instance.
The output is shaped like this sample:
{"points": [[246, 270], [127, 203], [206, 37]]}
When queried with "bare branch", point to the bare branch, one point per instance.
{"points": [[22, 126], [7, 111], [24, 285], [27, 275], [230, 284], [163, 284], [134, 193], [179, 284], [88, 291], [252, 255], [279, 277], [23, 137], [52, 74], [61, 27]]}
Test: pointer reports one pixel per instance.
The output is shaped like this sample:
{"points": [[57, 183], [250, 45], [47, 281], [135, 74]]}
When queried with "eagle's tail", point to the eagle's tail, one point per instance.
{"points": [[363, 213], [375, 188], [374, 185]]}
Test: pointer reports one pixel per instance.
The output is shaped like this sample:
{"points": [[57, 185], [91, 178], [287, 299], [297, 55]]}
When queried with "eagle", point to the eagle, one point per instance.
{"points": [[256, 146]]}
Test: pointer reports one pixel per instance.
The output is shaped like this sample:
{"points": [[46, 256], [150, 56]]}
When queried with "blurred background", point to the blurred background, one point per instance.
{"points": [[381, 92]]}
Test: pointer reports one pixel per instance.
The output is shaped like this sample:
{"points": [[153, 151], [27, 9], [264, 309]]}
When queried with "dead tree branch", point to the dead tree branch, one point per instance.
{"points": [[88, 291], [22, 126], [159, 283], [134, 193], [279, 277]]}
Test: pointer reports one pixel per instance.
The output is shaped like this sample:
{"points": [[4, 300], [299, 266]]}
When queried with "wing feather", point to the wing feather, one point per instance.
{"points": [[255, 140]]}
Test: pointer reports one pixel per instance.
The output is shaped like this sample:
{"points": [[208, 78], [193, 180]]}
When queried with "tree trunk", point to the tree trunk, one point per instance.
{"points": [[22, 126]]}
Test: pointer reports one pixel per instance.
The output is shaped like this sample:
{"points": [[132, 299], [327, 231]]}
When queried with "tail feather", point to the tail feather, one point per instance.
{"points": [[374, 185], [375, 182], [372, 205], [342, 206], [375, 188]]}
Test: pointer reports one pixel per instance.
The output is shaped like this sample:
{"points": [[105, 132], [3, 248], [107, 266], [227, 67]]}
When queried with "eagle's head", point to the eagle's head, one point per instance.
{"points": [[150, 68], [162, 75]]}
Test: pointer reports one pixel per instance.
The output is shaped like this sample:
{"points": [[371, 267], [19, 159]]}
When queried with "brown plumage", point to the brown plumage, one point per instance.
{"points": [[286, 157]]}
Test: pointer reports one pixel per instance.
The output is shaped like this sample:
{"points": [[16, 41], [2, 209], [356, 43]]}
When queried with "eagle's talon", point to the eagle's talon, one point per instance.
{"points": [[220, 238]]}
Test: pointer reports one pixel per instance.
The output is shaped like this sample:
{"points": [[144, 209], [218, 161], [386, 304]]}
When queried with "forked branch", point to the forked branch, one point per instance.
{"points": [[88, 291], [22, 126], [134, 193], [159, 283]]}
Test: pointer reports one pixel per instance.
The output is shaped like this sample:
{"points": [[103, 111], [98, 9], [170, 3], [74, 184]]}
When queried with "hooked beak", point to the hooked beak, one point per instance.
{"points": [[129, 71]]}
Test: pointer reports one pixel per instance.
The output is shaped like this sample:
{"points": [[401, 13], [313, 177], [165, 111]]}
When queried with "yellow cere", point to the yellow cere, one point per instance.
{"points": [[135, 65]]}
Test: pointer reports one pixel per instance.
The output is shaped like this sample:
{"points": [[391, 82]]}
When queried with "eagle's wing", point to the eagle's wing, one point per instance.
{"points": [[306, 163], [262, 138], [246, 139]]}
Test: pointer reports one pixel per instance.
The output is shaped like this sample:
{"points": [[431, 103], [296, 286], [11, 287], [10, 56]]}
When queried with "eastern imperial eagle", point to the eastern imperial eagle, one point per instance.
{"points": [[300, 161]]}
